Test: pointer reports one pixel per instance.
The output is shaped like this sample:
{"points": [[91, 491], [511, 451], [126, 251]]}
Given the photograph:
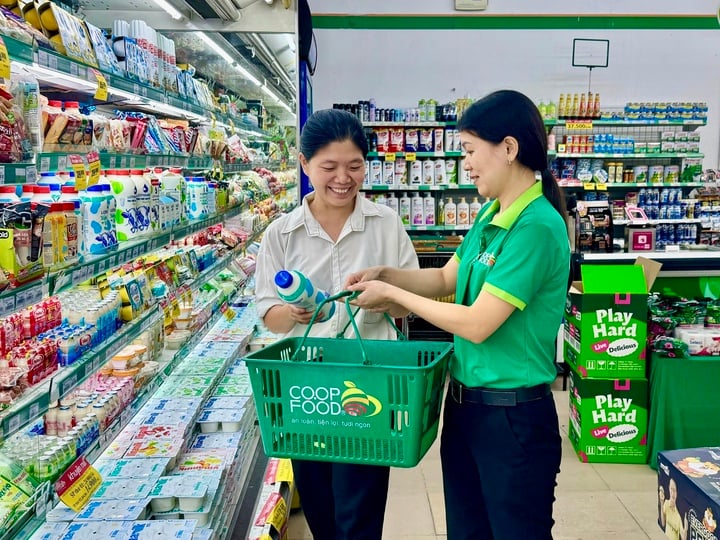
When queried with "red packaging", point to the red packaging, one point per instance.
{"points": [[383, 139], [397, 139]]}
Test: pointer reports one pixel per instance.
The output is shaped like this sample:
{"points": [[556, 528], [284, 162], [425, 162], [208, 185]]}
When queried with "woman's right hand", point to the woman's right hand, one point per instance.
{"points": [[368, 274], [298, 314]]}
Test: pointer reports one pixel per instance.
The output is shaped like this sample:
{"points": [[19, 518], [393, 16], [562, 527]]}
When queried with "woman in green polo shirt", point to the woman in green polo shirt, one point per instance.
{"points": [[500, 445]]}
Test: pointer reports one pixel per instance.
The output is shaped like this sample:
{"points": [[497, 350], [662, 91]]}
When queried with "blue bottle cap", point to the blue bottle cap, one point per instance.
{"points": [[283, 279]]}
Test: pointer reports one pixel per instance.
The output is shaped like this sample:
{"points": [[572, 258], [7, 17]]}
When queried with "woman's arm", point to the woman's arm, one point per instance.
{"points": [[282, 318], [474, 323]]}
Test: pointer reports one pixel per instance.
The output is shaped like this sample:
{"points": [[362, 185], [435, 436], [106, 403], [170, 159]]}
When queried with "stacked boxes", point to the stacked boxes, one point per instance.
{"points": [[605, 333], [689, 493]]}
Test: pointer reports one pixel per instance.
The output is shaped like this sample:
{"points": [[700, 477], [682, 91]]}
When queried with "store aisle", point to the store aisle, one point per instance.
{"points": [[594, 501]]}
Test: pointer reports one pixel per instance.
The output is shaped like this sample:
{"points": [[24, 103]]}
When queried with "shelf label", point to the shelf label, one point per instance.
{"points": [[74, 69], [4, 60], [78, 483], [45, 164], [2, 174], [14, 422], [601, 187], [67, 385], [31, 174], [390, 156], [284, 471], [229, 314], [589, 186], [78, 166], [411, 156], [7, 305], [93, 159], [579, 125], [78, 276], [101, 93]]}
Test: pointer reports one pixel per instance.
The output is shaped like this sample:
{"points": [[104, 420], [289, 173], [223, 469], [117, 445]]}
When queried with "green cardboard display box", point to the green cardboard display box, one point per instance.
{"points": [[606, 319], [608, 419]]}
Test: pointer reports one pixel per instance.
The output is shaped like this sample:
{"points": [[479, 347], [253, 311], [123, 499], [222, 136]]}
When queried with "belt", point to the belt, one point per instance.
{"points": [[498, 397]]}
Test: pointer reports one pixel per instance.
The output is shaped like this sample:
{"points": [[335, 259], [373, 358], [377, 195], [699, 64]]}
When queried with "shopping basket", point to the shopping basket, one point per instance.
{"points": [[373, 402]]}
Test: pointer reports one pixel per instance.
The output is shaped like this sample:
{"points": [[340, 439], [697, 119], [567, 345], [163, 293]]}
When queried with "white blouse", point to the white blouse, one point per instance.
{"points": [[373, 235]]}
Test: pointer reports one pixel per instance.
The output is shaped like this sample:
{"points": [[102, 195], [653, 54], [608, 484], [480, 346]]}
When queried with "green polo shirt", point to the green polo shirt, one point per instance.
{"points": [[523, 258]]}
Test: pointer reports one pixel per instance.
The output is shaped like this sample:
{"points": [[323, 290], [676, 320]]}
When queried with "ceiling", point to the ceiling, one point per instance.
{"points": [[262, 42]]}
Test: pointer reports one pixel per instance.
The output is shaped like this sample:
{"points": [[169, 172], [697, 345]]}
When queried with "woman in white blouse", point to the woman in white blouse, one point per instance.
{"points": [[335, 232]]}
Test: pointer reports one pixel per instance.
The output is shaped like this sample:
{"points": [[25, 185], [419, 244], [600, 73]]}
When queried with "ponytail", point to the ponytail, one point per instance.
{"points": [[553, 193]]}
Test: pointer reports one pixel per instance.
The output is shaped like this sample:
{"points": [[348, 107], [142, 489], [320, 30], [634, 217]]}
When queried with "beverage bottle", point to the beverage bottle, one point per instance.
{"points": [[561, 107], [596, 107], [296, 289]]}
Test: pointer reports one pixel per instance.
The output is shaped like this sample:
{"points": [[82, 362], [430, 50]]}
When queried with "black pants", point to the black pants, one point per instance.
{"points": [[499, 469], [342, 502]]}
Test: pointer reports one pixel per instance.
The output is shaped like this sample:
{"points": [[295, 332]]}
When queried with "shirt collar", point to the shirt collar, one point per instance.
{"points": [[510, 215], [363, 208]]}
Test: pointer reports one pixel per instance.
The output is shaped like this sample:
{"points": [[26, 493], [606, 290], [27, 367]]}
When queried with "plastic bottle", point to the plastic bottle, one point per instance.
{"points": [[41, 194], [441, 212], [371, 110], [463, 212], [125, 193], [51, 419], [173, 185], [404, 209], [392, 202], [450, 212], [429, 209], [296, 289], [155, 224], [212, 198], [92, 209], [8, 195], [108, 215], [474, 209], [143, 187], [197, 198], [28, 191], [417, 208]]}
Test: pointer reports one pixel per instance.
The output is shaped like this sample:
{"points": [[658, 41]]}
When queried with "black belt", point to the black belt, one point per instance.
{"points": [[495, 396]]}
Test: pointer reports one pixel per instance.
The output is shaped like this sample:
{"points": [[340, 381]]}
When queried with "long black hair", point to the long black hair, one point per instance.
{"points": [[328, 126], [508, 113]]}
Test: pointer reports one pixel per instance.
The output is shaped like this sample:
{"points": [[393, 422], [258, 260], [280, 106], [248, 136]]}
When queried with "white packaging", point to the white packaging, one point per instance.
{"points": [[392, 202], [438, 140], [416, 173], [441, 177], [463, 212], [401, 173], [404, 209], [428, 172], [449, 140], [376, 175], [366, 180], [429, 209], [418, 210], [388, 173], [450, 212]]}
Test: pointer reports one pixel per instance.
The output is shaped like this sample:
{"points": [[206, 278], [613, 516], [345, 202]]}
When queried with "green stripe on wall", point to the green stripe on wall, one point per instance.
{"points": [[516, 22]]}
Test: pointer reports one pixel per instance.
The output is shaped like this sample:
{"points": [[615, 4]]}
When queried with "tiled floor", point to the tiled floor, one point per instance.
{"points": [[594, 501]]}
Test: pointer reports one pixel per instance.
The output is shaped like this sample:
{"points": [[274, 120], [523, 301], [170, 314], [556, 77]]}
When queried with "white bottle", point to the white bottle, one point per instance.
{"points": [[474, 209], [418, 210], [429, 209], [392, 202], [388, 173], [416, 170], [428, 168], [463, 212], [296, 289], [381, 199], [450, 212], [404, 209], [440, 172], [376, 167], [366, 180]]}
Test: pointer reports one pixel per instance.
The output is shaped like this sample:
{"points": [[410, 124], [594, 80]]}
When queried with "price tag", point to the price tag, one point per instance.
{"points": [[74, 69], [45, 164], [78, 276], [34, 410], [390, 156], [78, 483], [67, 385], [62, 162], [284, 471], [14, 422], [42, 58], [132, 162], [4, 60], [93, 159], [278, 515], [31, 174], [589, 186], [601, 187], [78, 165], [7, 305], [579, 125], [411, 156], [229, 314], [52, 61]]}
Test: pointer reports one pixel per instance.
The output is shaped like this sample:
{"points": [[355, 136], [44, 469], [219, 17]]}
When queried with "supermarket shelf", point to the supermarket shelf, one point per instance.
{"points": [[448, 187], [18, 51], [21, 297], [630, 185], [646, 155], [656, 221], [599, 122], [18, 173], [409, 124], [416, 154], [437, 227]]}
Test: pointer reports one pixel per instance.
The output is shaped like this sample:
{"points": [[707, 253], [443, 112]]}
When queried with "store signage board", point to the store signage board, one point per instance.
{"points": [[590, 53]]}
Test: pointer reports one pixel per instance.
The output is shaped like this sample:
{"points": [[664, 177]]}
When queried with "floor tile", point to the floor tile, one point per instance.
{"points": [[407, 515]]}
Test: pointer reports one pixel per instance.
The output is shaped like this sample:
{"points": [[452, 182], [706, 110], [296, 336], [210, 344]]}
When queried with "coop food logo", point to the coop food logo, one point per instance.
{"points": [[329, 401]]}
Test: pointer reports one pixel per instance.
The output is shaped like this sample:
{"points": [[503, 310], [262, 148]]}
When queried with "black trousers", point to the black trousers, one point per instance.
{"points": [[340, 501], [499, 469]]}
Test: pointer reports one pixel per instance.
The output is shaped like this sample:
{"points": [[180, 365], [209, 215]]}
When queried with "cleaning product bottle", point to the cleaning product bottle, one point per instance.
{"points": [[450, 212], [474, 209], [429, 209], [417, 209], [392, 202], [296, 289], [441, 212], [463, 212], [404, 209]]}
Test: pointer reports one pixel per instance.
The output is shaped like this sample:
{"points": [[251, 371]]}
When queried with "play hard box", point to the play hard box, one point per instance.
{"points": [[606, 320], [689, 493], [608, 419]]}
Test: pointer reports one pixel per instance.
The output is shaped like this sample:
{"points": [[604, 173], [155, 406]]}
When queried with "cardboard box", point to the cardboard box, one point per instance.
{"points": [[608, 419], [606, 320], [689, 493], [594, 231]]}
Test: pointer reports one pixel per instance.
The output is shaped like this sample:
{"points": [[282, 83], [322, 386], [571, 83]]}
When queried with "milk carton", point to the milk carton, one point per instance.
{"points": [[608, 419], [605, 320]]}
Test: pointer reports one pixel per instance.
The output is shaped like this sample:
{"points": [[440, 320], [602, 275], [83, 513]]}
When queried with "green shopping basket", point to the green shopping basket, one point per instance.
{"points": [[372, 402]]}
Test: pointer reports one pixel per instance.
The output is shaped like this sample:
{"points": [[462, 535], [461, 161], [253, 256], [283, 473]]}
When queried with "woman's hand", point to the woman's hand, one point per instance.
{"points": [[299, 315], [375, 295], [368, 274]]}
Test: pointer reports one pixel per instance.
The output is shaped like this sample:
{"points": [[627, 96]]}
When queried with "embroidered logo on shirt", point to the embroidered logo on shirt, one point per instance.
{"points": [[487, 258]]}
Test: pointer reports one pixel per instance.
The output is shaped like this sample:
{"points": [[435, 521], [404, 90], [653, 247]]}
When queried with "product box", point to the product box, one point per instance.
{"points": [[689, 493], [605, 320], [594, 228], [608, 419]]}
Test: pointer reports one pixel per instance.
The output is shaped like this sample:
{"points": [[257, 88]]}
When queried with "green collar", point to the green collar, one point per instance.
{"points": [[509, 216]]}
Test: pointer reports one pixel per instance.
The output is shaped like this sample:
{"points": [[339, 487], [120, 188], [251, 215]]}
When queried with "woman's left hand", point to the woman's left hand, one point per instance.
{"points": [[375, 295]]}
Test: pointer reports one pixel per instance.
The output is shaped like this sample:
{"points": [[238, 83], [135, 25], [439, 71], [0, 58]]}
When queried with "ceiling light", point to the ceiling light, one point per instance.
{"points": [[270, 93], [215, 47], [291, 42], [53, 76], [247, 75], [170, 10], [225, 9]]}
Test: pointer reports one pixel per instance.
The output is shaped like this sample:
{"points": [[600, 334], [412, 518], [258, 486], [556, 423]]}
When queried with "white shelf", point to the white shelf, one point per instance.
{"points": [[656, 221], [654, 255]]}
